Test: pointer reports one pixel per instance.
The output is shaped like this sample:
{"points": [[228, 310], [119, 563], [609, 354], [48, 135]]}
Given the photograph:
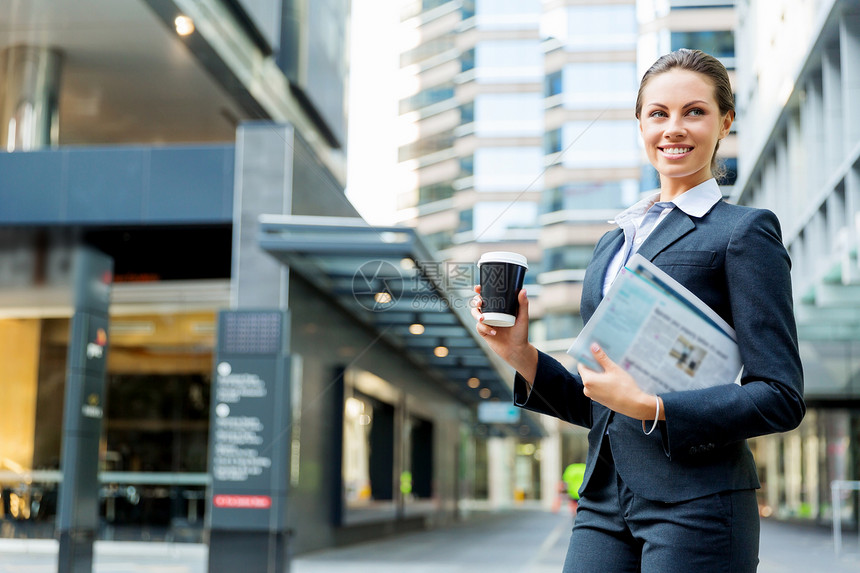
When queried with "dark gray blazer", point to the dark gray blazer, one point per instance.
{"points": [[733, 259]]}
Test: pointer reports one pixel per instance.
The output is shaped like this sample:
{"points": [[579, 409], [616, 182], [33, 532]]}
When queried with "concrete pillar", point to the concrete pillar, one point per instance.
{"points": [[831, 84], [849, 47], [550, 468], [256, 538], [29, 97], [500, 471], [264, 185]]}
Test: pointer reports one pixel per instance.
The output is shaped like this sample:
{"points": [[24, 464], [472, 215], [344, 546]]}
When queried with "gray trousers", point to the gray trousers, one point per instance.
{"points": [[617, 531]]}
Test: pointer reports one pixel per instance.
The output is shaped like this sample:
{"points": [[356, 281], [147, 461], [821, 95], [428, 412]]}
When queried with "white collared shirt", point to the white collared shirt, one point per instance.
{"points": [[694, 202]]}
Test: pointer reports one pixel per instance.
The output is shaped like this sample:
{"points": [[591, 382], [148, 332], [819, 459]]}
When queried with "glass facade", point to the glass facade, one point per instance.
{"points": [[600, 143], [614, 195], [156, 426], [797, 468], [718, 43], [387, 466]]}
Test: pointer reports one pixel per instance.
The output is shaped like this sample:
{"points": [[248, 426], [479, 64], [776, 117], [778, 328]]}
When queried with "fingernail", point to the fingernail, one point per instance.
{"points": [[493, 332], [595, 347]]}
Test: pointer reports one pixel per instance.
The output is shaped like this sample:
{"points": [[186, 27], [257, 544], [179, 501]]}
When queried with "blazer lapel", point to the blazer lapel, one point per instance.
{"points": [[592, 286], [673, 227]]}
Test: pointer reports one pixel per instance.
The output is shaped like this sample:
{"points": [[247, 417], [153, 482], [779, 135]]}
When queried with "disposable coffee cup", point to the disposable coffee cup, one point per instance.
{"points": [[502, 275]]}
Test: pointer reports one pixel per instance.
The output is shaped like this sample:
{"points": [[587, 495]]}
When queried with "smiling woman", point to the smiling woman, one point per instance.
{"points": [[683, 491], [683, 116]]}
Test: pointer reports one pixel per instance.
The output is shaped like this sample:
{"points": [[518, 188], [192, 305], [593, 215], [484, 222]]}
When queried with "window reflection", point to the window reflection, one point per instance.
{"points": [[388, 466], [368, 458]]}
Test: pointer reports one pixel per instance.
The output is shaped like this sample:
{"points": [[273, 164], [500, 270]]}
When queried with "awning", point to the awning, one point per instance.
{"points": [[388, 279]]}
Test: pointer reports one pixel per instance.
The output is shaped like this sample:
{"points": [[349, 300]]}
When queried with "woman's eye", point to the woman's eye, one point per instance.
{"points": [[696, 111], [657, 113]]}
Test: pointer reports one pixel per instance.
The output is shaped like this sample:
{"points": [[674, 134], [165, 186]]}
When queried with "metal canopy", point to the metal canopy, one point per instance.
{"points": [[389, 280]]}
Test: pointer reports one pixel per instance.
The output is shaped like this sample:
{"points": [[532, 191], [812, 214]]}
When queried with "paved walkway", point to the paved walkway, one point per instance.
{"points": [[521, 541]]}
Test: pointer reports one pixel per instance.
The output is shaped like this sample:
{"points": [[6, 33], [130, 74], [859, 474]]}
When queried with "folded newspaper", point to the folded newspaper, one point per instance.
{"points": [[660, 332]]}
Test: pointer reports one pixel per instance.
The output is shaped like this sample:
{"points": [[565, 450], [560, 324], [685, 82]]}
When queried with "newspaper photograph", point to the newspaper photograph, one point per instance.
{"points": [[661, 333]]}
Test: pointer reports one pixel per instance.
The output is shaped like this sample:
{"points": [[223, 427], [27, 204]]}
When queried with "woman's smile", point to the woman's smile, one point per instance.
{"points": [[675, 152]]}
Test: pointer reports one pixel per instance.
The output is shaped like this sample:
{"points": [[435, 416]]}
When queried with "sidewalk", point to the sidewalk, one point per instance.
{"points": [[517, 541]]}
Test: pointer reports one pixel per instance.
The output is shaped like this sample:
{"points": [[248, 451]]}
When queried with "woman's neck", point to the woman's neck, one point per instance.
{"points": [[670, 188]]}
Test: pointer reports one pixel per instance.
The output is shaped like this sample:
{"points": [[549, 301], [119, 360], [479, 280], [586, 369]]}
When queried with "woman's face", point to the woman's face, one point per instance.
{"points": [[681, 123]]}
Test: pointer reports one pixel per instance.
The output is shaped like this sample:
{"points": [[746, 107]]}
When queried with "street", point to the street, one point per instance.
{"points": [[515, 541]]}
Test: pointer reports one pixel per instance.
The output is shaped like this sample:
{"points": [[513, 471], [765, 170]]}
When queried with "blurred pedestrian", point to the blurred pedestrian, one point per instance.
{"points": [[572, 478], [670, 482]]}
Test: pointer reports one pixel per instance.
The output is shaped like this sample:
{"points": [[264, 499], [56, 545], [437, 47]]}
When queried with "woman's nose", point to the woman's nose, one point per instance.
{"points": [[673, 130]]}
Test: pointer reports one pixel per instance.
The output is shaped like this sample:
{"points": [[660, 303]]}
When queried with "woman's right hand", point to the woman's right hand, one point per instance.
{"points": [[510, 343]]}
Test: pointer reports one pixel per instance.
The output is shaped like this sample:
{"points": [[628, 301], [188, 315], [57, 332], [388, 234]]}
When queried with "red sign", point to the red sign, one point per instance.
{"points": [[243, 501]]}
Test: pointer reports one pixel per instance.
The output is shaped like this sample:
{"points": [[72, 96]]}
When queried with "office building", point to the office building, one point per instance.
{"points": [[201, 145], [707, 25], [797, 81]]}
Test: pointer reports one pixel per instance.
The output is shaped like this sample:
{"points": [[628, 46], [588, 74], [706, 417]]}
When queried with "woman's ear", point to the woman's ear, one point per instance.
{"points": [[728, 119]]}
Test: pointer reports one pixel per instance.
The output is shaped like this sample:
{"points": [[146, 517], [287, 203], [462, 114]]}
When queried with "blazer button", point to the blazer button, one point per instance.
{"points": [[694, 450]]}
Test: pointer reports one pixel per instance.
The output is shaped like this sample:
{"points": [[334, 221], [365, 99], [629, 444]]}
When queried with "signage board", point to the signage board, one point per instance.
{"points": [[498, 413], [249, 435]]}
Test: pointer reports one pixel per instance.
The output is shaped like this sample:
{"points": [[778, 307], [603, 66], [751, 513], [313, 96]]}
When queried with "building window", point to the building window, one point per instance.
{"points": [[595, 28], [552, 84], [649, 179], [499, 220], [590, 195], [509, 115], [561, 326], [605, 143], [467, 166], [467, 60], [441, 240], [467, 221], [693, 4], [508, 168], [426, 98], [416, 482], [426, 146], [718, 43], [502, 61], [467, 113], [596, 85], [467, 9], [552, 141], [434, 192], [430, 4], [568, 257], [368, 456], [731, 170], [427, 50]]}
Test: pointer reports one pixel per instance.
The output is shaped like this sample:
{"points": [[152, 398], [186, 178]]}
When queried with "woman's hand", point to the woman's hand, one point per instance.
{"points": [[616, 389], [510, 343]]}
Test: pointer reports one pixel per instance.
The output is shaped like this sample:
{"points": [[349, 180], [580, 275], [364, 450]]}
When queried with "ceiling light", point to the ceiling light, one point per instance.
{"points": [[184, 25], [485, 393], [416, 328], [473, 382], [382, 297], [440, 351]]}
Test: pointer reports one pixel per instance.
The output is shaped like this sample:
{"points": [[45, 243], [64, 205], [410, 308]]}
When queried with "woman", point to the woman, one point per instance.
{"points": [[681, 498]]}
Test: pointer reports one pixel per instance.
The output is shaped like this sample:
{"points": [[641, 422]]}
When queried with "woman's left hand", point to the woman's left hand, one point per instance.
{"points": [[615, 388]]}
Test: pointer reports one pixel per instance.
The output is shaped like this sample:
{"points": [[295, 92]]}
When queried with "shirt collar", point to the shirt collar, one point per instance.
{"points": [[695, 202]]}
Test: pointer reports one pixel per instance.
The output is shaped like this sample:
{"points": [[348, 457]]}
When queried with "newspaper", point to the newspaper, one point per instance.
{"points": [[660, 332]]}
